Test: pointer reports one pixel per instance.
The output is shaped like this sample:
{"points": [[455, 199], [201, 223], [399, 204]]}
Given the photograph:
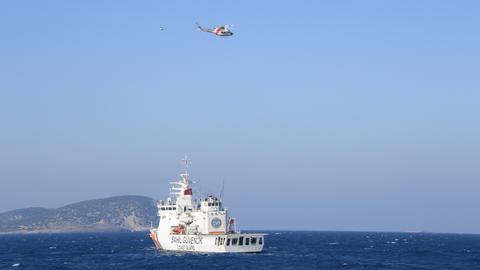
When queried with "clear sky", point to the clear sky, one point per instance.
{"points": [[318, 115]]}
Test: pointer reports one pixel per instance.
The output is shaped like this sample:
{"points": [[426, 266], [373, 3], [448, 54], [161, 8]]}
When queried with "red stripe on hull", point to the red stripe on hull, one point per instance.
{"points": [[154, 238]]}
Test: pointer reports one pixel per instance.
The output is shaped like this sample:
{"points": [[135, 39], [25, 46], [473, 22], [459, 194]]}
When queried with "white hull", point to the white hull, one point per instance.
{"points": [[221, 243]]}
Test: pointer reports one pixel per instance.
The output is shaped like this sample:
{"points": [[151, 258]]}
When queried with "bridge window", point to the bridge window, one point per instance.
{"points": [[247, 241], [254, 240], [228, 241], [240, 241], [260, 241], [234, 241]]}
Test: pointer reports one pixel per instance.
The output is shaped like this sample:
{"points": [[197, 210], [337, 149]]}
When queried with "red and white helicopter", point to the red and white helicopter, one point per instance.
{"points": [[222, 31]]}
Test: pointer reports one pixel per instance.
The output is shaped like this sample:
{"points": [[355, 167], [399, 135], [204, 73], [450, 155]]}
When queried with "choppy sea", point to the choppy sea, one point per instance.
{"points": [[283, 250]]}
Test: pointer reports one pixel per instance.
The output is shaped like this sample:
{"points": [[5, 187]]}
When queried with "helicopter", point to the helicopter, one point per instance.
{"points": [[222, 31]]}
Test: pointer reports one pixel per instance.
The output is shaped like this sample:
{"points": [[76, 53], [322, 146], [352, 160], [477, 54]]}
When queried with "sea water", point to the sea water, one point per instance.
{"points": [[283, 250]]}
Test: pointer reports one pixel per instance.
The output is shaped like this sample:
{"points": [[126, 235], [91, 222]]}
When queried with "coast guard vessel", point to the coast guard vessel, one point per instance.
{"points": [[199, 225]]}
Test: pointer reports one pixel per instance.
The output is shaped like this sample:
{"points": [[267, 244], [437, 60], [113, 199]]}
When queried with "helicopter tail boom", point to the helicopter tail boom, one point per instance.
{"points": [[201, 28]]}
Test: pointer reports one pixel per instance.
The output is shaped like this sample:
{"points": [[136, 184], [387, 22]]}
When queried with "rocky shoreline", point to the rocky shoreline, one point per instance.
{"points": [[121, 213]]}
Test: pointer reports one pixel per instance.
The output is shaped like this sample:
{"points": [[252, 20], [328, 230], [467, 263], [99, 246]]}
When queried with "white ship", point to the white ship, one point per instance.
{"points": [[199, 225]]}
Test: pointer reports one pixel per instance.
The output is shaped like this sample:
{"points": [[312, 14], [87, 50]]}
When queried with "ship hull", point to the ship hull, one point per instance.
{"points": [[210, 243]]}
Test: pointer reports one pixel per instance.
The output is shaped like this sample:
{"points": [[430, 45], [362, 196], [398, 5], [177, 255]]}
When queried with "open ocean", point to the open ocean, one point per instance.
{"points": [[283, 250]]}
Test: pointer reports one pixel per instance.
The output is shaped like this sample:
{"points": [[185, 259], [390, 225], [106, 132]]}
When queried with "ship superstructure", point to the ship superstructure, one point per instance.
{"points": [[199, 225]]}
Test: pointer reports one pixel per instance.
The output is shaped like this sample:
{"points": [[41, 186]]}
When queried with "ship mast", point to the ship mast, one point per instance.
{"points": [[185, 173], [181, 187]]}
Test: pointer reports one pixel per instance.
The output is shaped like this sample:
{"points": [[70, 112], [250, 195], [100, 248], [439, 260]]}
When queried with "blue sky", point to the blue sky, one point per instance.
{"points": [[319, 115]]}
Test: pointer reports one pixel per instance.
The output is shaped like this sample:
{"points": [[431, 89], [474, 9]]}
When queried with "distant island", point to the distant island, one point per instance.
{"points": [[121, 213]]}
